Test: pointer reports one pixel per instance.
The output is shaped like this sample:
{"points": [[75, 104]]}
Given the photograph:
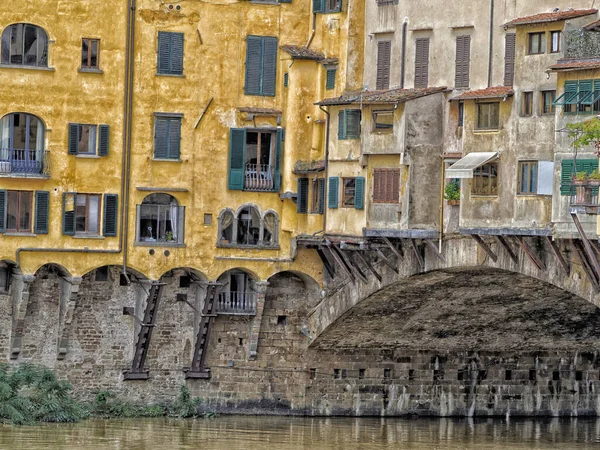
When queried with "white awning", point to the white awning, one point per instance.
{"points": [[464, 167]]}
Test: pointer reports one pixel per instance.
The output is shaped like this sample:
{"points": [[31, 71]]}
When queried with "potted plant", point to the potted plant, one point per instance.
{"points": [[452, 193], [595, 178], [581, 178], [169, 237]]}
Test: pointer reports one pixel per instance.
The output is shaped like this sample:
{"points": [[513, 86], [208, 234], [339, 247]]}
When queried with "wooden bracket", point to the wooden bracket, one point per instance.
{"points": [[366, 262], [352, 266], [330, 269], [435, 250], [585, 264], [386, 261], [413, 243], [508, 249], [587, 246], [486, 248], [334, 252], [559, 255], [530, 253]]}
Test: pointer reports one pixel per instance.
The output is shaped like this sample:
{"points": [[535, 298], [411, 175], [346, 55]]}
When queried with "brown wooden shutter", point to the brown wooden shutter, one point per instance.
{"points": [[384, 49], [509, 59], [422, 63], [386, 186], [463, 60]]}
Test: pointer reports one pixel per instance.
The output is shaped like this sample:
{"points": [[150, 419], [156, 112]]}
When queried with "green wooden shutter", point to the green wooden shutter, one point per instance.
{"points": [[2, 211], [164, 52], [161, 130], [253, 65], [333, 192], [73, 138], [42, 207], [110, 214], [342, 125], [68, 221], [318, 6], [330, 79], [353, 124], [269, 66], [321, 196], [174, 138], [302, 200], [176, 53], [567, 168], [237, 158], [278, 157], [103, 144], [359, 193]]}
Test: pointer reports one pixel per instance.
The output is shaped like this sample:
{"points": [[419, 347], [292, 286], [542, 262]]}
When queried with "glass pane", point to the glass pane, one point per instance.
{"points": [[533, 179], [6, 46], [19, 130], [87, 139], [30, 46], [80, 213], [524, 177], [16, 44], [148, 222], [12, 210], [25, 212], [94, 54], [251, 148], [42, 48], [33, 135], [84, 53], [93, 213], [494, 115], [265, 148], [384, 119]]}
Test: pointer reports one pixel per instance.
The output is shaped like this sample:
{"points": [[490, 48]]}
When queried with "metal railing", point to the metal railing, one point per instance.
{"points": [[237, 303], [19, 160], [258, 177]]}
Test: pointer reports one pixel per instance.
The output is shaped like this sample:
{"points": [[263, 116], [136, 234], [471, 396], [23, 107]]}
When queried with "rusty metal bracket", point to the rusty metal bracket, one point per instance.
{"points": [[508, 248], [587, 246], [366, 262], [386, 261], [486, 248], [330, 269], [585, 264], [435, 250], [413, 243], [530, 253], [561, 260]]}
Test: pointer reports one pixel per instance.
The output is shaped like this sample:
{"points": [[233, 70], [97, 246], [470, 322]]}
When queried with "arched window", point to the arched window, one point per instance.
{"points": [[21, 143], [24, 44], [238, 297], [226, 227], [270, 229], [160, 219], [248, 226]]}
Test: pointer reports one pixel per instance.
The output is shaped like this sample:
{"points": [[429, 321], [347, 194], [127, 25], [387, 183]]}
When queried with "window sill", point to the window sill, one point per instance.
{"points": [[484, 196], [245, 247], [19, 233], [10, 66], [158, 244], [532, 196], [84, 156], [260, 190], [387, 131], [173, 75], [87, 70], [167, 159], [487, 131], [267, 2], [87, 236]]}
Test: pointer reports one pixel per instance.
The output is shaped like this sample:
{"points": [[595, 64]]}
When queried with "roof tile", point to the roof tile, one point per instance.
{"points": [[550, 17], [297, 52], [491, 92], [380, 97], [568, 64]]}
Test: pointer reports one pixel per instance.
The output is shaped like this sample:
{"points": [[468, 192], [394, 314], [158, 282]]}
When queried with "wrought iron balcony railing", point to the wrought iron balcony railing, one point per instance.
{"points": [[22, 161], [258, 177], [584, 196], [237, 303]]}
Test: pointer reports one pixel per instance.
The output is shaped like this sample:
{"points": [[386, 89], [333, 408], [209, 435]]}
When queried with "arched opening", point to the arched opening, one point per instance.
{"points": [[21, 144], [160, 219], [24, 44], [237, 296], [270, 235], [226, 227], [248, 229]]}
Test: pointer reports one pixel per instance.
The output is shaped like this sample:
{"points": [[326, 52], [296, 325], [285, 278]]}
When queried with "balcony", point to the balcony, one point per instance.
{"points": [[584, 197], [22, 162], [237, 303], [258, 177]]}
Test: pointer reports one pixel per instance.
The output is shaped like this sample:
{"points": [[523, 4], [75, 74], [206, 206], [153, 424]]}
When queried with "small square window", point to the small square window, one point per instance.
{"points": [[528, 175], [208, 219], [527, 106], [349, 192], [87, 140], [383, 120], [554, 41], [90, 51], [536, 43], [548, 98], [485, 180], [488, 116]]}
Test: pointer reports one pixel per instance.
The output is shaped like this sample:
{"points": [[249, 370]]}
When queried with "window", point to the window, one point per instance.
{"points": [[88, 139], [386, 185], [383, 120], [386, 2], [90, 50], [488, 116], [384, 49], [330, 79], [167, 136], [554, 41], [461, 114], [421, 62], [485, 180], [170, 53], [581, 96], [261, 65], [238, 297], [567, 171], [18, 211], [353, 192], [349, 192], [255, 159], [160, 219], [248, 228], [327, 6], [24, 45], [81, 213], [548, 98], [536, 43], [527, 105], [21, 144], [463, 61], [317, 205], [349, 124], [528, 176]]}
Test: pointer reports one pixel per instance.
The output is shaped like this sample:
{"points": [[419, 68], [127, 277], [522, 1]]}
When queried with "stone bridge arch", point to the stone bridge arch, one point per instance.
{"points": [[563, 264]]}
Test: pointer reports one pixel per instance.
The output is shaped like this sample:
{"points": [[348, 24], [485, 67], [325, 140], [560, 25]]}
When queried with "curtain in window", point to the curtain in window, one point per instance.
{"points": [[270, 224], [226, 221], [173, 211], [39, 140], [4, 137]]}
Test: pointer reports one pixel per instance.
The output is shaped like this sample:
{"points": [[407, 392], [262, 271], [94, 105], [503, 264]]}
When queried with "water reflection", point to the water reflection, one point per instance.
{"points": [[277, 433]]}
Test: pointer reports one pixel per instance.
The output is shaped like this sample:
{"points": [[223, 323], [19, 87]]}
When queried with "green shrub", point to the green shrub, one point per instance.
{"points": [[452, 190], [108, 405], [185, 406]]}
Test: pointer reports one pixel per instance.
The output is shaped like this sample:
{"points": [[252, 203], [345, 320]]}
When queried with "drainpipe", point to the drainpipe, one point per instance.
{"points": [[491, 56], [326, 181], [312, 34], [403, 61], [442, 206], [124, 160]]}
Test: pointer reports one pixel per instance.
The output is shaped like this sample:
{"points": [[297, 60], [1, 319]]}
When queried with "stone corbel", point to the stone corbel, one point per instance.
{"points": [[260, 287], [20, 301], [68, 302]]}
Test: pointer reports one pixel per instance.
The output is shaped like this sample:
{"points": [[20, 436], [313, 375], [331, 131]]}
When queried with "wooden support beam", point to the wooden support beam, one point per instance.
{"points": [[486, 248], [340, 262], [386, 261], [413, 243], [330, 269], [435, 250], [559, 255], [508, 249], [585, 264], [587, 246], [369, 266], [394, 250], [352, 266], [530, 253]]}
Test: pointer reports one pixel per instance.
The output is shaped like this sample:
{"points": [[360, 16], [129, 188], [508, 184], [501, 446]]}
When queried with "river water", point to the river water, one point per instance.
{"points": [[278, 433]]}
